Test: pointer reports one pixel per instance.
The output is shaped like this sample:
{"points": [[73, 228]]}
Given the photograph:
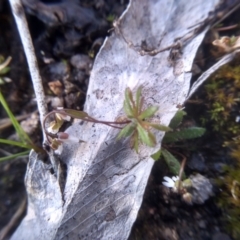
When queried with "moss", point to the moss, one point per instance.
{"points": [[222, 105], [223, 95]]}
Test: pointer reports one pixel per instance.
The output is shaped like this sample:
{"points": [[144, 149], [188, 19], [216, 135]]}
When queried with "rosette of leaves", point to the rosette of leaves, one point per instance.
{"points": [[139, 129], [178, 134]]}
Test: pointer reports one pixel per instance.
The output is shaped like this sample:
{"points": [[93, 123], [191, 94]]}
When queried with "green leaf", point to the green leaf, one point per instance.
{"points": [[177, 119], [128, 109], [171, 161], [21, 154], [138, 99], [130, 96], [15, 143], [22, 135], [127, 131], [75, 113], [186, 133], [4, 70], [135, 141], [145, 136], [126, 104], [156, 155], [160, 127], [149, 112]]}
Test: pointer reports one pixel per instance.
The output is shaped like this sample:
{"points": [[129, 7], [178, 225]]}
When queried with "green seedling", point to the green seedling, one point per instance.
{"points": [[139, 128], [136, 125]]}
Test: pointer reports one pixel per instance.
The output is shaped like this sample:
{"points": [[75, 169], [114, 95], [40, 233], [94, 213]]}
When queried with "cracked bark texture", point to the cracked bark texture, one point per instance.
{"points": [[106, 179]]}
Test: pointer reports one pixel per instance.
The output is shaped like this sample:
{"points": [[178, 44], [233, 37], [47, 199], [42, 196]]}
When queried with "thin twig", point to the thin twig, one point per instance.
{"points": [[5, 231], [20, 18], [6, 122]]}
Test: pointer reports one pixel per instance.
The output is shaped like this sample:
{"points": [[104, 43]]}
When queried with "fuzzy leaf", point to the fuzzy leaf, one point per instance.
{"points": [[138, 98], [152, 137], [130, 96], [135, 141], [128, 108], [75, 113], [126, 131], [145, 136], [171, 161], [186, 133], [156, 155], [149, 112], [126, 104], [160, 127], [177, 119], [4, 70]]}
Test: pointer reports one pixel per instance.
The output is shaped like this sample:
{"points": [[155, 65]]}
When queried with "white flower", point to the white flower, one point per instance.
{"points": [[59, 150], [170, 182]]}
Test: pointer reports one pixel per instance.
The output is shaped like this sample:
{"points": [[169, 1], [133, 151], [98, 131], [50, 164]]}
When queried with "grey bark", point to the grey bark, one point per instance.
{"points": [[106, 179]]}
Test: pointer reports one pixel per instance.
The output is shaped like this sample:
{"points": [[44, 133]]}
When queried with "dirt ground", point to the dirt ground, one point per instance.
{"points": [[66, 46]]}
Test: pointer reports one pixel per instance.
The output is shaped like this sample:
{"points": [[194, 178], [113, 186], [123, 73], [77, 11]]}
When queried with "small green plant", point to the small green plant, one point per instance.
{"points": [[138, 128], [171, 138], [136, 125], [24, 140]]}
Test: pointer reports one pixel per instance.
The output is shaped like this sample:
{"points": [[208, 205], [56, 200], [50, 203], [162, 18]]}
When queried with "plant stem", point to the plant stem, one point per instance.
{"points": [[20, 18]]}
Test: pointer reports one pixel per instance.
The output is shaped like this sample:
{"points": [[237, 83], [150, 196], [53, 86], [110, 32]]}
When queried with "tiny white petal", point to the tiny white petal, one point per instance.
{"points": [[168, 179], [175, 178], [59, 150], [52, 130], [73, 139], [63, 117], [169, 182]]}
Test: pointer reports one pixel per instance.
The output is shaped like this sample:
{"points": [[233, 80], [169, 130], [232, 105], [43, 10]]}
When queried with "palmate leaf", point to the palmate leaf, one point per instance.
{"points": [[75, 113], [149, 112], [127, 131], [172, 162], [186, 133], [146, 137], [177, 119]]}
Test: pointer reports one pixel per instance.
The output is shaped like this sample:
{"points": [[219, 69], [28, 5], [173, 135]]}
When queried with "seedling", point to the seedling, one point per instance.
{"points": [[135, 122]]}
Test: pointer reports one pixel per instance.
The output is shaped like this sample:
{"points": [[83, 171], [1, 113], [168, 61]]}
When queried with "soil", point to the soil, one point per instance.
{"points": [[66, 46]]}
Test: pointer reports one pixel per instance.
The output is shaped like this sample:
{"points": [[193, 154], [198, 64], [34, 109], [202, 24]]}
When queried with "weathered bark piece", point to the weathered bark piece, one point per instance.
{"points": [[226, 59], [106, 179]]}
